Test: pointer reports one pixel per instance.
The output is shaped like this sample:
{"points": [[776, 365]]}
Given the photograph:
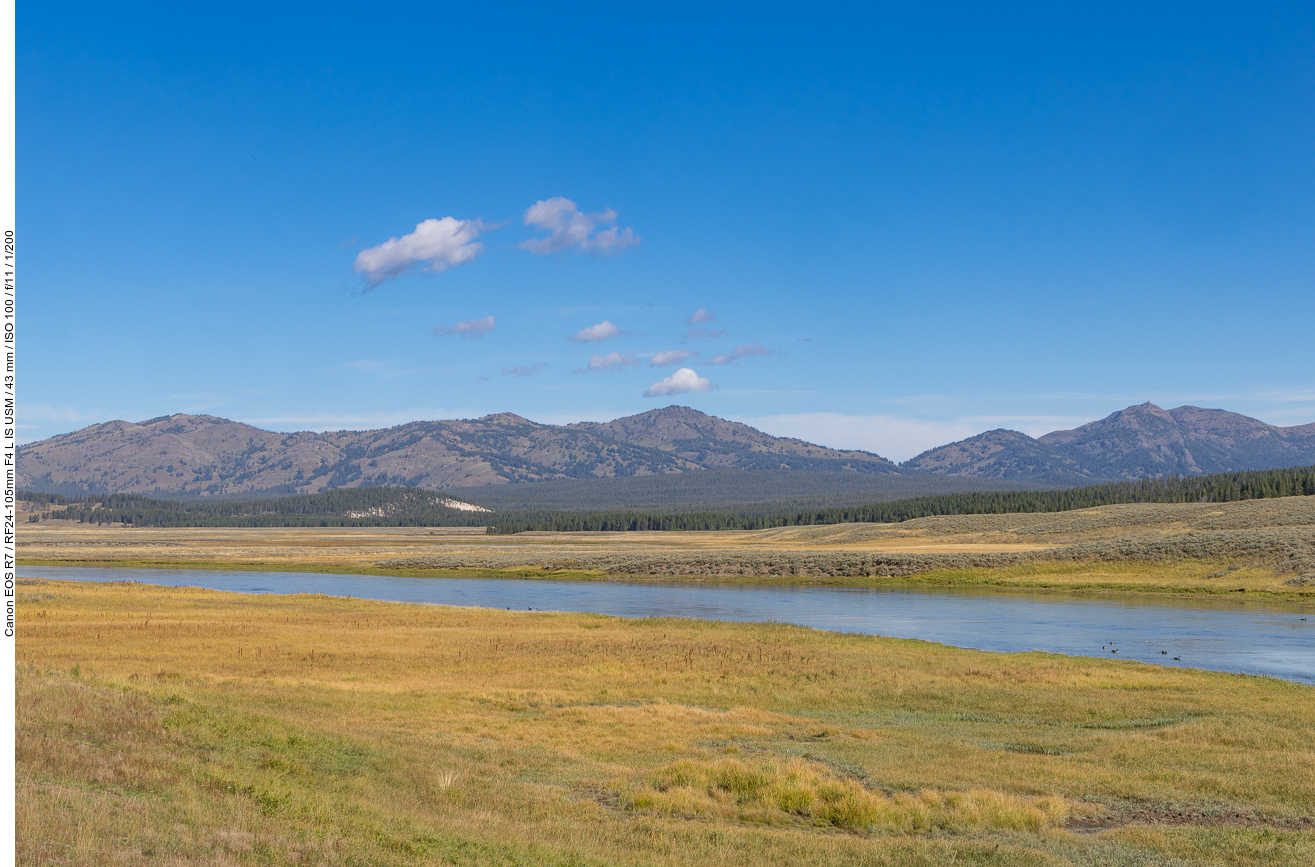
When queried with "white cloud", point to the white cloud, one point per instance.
{"points": [[744, 350], [569, 227], [612, 239], [681, 381], [435, 244], [673, 356], [471, 328], [595, 333], [699, 316], [613, 360], [522, 370]]}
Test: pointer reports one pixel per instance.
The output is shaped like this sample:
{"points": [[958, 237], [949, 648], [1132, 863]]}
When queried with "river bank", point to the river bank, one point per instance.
{"points": [[1180, 578], [190, 723], [1264, 548], [1233, 633]]}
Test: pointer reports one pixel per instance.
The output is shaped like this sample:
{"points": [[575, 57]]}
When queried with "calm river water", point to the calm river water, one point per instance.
{"points": [[1272, 639]]}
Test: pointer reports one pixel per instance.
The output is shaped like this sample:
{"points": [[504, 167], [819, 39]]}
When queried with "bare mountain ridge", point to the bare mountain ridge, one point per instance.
{"points": [[1138, 442], [715, 442], [201, 454], [1005, 455]]}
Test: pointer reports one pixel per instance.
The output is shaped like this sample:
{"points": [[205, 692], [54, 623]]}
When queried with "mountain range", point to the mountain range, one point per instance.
{"points": [[1139, 442], [202, 454], [207, 455]]}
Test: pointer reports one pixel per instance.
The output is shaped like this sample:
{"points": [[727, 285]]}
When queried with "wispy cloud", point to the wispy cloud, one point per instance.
{"points": [[744, 350], [349, 421], [47, 412], [681, 381], [435, 245], [702, 316], [613, 361], [522, 370], [670, 357], [702, 333], [568, 227], [471, 328], [898, 437], [1289, 395], [594, 333]]}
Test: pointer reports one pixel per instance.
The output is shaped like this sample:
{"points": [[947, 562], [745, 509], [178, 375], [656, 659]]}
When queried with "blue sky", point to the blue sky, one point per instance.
{"points": [[902, 227]]}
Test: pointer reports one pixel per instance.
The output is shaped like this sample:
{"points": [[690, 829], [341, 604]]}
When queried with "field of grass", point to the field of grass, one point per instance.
{"points": [[1262, 547], [182, 726]]}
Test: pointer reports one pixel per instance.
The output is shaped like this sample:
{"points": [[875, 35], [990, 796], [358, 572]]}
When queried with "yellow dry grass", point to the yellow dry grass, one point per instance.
{"points": [[464, 551], [161, 725]]}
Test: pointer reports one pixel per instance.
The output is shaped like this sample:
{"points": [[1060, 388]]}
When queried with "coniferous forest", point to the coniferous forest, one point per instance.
{"points": [[414, 507]]}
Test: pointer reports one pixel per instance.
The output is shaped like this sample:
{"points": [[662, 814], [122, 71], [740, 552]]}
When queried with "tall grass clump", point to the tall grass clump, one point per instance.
{"points": [[796, 791]]}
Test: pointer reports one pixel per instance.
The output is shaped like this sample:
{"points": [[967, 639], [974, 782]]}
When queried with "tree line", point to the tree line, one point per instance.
{"points": [[393, 506], [1217, 488], [396, 506]]}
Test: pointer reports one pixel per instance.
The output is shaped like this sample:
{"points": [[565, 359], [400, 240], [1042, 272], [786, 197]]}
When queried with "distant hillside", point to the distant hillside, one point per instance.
{"points": [[201, 455], [740, 491], [206, 455], [712, 442], [345, 507], [1145, 440], [1005, 455], [414, 507], [1218, 488], [1138, 442]]}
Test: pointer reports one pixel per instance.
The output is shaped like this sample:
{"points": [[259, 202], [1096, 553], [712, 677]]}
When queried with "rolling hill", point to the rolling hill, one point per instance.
{"points": [[202, 455], [206, 455], [1138, 442]]}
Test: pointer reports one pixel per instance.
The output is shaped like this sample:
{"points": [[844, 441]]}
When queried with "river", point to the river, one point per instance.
{"points": [[1272, 638]]}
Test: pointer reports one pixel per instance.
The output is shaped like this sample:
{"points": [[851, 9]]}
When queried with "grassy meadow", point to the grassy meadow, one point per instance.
{"points": [[1265, 548], [182, 726]]}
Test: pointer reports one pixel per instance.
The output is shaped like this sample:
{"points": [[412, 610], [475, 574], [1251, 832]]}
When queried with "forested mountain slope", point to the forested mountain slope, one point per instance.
{"points": [[206, 455], [201, 454], [1005, 455], [1138, 442], [715, 442]]}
